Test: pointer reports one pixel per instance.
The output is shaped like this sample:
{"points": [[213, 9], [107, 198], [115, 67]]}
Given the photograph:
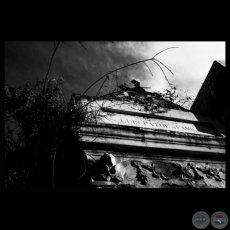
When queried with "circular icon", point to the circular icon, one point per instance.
{"points": [[219, 220], [200, 220]]}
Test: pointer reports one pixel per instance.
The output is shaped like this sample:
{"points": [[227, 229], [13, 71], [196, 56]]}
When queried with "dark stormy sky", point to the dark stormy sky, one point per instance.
{"points": [[79, 67]]}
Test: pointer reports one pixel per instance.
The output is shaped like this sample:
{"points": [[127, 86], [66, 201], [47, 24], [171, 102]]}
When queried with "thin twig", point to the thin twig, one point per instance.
{"points": [[82, 45], [97, 104], [53, 167], [26, 177], [102, 96], [163, 73], [148, 68], [163, 51], [100, 88], [85, 159], [163, 65], [91, 156], [95, 138], [49, 68], [152, 59], [110, 73]]}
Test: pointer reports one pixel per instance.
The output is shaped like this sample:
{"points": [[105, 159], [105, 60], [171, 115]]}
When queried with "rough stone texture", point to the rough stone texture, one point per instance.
{"points": [[142, 173], [157, 144], [211, 98], [110, 137], [158, 108]]}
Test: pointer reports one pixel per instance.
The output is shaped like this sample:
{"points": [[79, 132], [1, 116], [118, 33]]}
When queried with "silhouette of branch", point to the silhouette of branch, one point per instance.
{"points": [[63, 42], [110, 73], [148, 68], [163, 65], [101, 88], [163, 51], [85, 160], [53, 167], [49, 68], [135, 63], [82, 45], [163, 73]]}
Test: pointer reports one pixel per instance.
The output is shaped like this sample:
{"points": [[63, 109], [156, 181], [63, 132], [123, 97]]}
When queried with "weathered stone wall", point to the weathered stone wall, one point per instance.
{"points": [[164, 147], [211, 98], [110, 137], [151, 158], [142, 173]]}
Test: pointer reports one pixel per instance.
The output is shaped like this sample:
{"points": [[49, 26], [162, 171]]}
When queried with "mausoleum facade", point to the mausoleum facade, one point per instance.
{"points": [[145, 141]]}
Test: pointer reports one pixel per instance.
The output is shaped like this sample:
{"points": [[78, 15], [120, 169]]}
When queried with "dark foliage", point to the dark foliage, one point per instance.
{"points": [[37, 131]]}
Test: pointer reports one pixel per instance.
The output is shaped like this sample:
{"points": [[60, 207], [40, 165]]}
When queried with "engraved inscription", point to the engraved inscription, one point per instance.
{"points": [[158, 125], [153, 123]]}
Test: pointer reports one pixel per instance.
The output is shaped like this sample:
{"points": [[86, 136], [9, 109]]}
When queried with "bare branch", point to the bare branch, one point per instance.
{"points": [[163, 73], [163, 51], [163, 65], [26, 177], [63, 42], [49, 68], [102, 96], [101, 87], [152, 59], [110, 73], [53, 167], [148, 68], [82, 45], [85, 160]]}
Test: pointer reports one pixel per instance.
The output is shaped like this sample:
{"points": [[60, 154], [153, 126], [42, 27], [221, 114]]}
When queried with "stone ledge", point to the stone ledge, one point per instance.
{"points": [[107, 184], [102, 184]]}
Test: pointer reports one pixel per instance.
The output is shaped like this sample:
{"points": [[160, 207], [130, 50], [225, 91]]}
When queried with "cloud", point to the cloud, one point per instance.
{"points": [[80, 68]]}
